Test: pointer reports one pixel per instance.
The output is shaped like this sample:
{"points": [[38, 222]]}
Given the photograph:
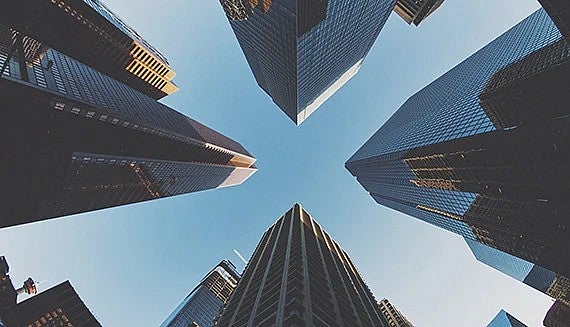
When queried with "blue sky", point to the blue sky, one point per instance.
{"points": [[132, 265]]}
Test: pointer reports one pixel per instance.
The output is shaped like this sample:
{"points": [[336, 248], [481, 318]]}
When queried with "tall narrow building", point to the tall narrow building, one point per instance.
{"points": [[75, 140], [392, 315], [504, 319], [299, 276], [302, 52], [57, 306], [484, 150], [204, 303], [91, 33]]}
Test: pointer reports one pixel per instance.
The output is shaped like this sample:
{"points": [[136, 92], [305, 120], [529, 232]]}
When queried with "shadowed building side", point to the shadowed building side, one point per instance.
{"points": [[559, 11], [90, 32], [301, 52], [483, 151], [299, 276], [75, 140]]}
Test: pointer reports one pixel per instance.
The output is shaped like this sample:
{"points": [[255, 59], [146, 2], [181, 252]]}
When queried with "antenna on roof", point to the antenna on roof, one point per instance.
{"points": [[240, 256]]}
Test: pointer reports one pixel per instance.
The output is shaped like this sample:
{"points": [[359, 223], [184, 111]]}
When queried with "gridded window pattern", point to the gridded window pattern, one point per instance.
{"points": [[203, 304], [57, 306], [508, 264], [394, 317], [449, 107], [299, 276], [295, 57], [112, 101], [95, 181], [336, 44]]}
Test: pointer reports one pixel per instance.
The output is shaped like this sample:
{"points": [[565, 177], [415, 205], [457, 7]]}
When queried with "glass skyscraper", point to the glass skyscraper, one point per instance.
{"points": [[302, 52], [299, 276], [504, 319], [483, 151], [90, 32], [203, 304], [74, 139]]}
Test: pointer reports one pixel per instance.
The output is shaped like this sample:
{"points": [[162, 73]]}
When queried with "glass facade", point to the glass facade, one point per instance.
{"points": [[203, 304], [503, 319], [78, 140], [299, 276], [90, 32], [483, 150], [301, 52]]}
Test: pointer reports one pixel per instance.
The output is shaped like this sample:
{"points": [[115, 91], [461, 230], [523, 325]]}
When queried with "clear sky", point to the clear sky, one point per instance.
{"points": [[132, 265]]}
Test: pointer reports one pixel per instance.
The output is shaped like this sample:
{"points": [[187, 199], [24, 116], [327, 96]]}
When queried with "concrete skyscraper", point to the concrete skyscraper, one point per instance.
{"points": [[302, 52], [57, 306], [203, 304], [299, 276], [415, 11], [392, 315], [74, 139], [483, 151], [91, 33]]}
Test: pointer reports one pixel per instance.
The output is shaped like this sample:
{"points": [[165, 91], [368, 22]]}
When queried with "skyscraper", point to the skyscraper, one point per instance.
{"points": [[394, 317], [91, 33], [558, 315], [559, 11], [504, 319], [415, 11], [57, 306], [203, 304], [483, 151], [299, 276], [302, 52], [539, 278], [75, 140]]}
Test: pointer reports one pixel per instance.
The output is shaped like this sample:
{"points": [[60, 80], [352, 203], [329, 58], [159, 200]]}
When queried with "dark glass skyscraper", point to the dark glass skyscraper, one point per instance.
{"points": [[299, 276], [484, 150], [559, 11], [504, 319], [203, 304], [75, 140], [90, 32], [302, 52], [57, 306]]}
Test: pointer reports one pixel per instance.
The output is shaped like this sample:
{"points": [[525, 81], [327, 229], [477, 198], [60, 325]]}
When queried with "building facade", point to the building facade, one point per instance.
{"points": [[504, 319], [558, 315], [90, 32], [204, 303], [302, 52], [539, 278], [393, 317], [415, 11], [483, 151], [76, 140], [559, 11], [299, 276], [57, 306]]}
